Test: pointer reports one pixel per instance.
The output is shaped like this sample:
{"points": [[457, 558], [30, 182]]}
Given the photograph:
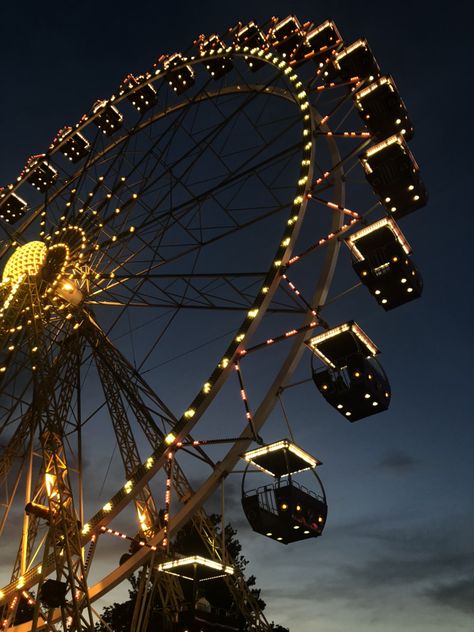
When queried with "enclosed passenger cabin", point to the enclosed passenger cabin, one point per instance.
{"points": [[250, 35], [220, 66], [197, 571], [180, 76], [289, 38], [40, 174], [352, 381], [75, 148], [108, 118], [383, 110], [142, 98], [284, 510], [395, 177], [12, 207], [381, 259], [357, 60]]}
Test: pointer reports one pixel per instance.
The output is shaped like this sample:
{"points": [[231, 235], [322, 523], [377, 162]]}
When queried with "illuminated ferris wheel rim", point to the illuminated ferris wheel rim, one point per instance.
{"points": [[150, 79], [200, 403]]}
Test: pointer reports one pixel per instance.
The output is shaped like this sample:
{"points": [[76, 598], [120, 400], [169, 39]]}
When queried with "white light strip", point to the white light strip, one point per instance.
{"points": [[277, 446], [313, 342], [365, 339], [350, 49], [290, 18], [373, 86], [196, 559], [323, 26], [397, 138], [388, 222]]}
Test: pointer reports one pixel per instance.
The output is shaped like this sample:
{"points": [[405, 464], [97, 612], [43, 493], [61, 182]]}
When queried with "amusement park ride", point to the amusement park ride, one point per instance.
{"points": [[197, 201]]}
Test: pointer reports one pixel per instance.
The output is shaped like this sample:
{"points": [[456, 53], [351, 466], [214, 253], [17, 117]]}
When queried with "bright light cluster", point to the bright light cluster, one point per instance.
{"points": [[26, 260]]}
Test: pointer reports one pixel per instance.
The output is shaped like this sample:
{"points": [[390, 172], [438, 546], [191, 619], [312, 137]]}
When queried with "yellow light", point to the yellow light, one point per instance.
{"points": [[252, 313], [86, 528], [50, 484], [284, 506], [26, 260], [190, 413], [170, 438], [128, 487], [107, 507], [206, 388], [143, 520]]}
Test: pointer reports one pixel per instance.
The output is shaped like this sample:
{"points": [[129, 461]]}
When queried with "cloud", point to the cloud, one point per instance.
{"points": [[397, 461], [401, 562], [457, 593]]}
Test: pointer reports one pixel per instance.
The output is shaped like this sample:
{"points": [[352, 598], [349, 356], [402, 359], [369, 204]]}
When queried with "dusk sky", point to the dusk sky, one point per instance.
{"points": [[398, 551]]}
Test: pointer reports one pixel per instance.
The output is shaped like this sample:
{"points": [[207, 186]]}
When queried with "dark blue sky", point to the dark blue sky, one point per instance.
{"points": [[397, 552]]}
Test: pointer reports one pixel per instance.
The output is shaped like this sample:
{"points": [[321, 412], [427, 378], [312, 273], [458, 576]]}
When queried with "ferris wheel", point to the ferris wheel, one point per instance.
{"points": [[167, 262]]}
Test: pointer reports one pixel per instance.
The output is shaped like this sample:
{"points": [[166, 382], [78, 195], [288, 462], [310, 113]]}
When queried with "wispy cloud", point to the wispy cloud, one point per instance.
{"points": [[398, 461]]}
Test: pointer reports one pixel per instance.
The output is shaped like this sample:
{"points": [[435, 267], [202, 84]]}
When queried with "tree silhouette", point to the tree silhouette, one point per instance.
{"points": [[187, 542]]}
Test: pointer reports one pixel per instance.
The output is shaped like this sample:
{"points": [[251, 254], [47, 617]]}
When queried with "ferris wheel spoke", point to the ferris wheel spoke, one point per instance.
{"points": [[187, 207], [186, 251]]}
